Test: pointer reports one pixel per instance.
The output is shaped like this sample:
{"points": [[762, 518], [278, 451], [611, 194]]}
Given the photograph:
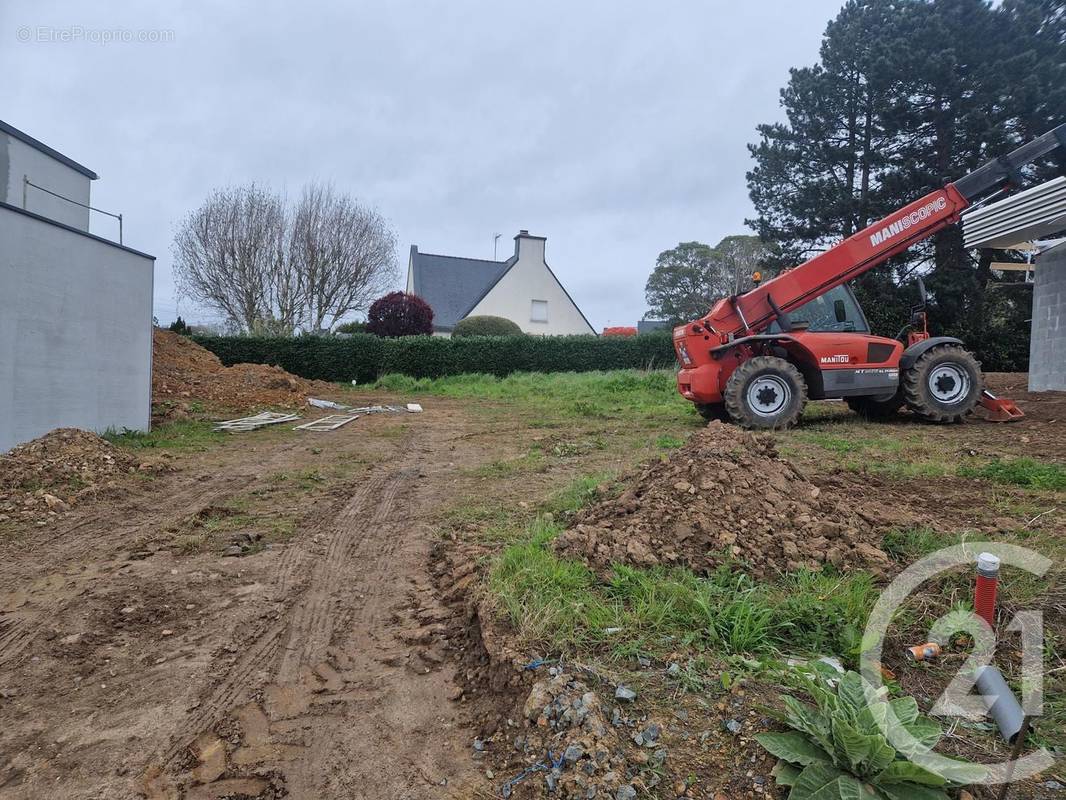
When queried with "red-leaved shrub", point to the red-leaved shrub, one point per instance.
{"points": [[399, 314]]}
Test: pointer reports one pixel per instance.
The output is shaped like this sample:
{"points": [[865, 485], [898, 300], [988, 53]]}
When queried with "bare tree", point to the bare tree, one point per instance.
{"points": [[269, 270], [227, 252], [343, 252]]}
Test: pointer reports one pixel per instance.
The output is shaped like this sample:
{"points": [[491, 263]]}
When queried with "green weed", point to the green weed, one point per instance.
{"points": [[562, 604], [183, 435], [910, 544], [579, 493], [667, 442], [1019, 472]]}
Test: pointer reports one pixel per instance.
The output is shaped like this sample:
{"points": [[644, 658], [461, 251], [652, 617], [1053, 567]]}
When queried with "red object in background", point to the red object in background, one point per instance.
{"points": [[985, 594], [620, 330]]}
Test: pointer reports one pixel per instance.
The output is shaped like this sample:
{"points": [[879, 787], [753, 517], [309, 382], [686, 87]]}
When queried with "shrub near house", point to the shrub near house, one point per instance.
{"points": [[400, 314], [485, 326]]}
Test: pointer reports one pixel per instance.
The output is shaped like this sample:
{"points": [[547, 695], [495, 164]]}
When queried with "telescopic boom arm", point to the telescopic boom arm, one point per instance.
{"points": [[753, 311]]}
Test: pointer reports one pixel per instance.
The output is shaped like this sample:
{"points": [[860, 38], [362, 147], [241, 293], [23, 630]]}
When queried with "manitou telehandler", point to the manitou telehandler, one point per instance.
{"points": [[756, 358]]}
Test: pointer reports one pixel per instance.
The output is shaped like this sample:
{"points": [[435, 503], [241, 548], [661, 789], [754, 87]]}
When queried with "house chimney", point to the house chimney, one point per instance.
{"points": [[530, 247]]}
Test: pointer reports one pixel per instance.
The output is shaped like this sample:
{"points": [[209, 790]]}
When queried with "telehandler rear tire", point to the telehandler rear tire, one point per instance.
{"points": [[944, 384], [765, 392]]}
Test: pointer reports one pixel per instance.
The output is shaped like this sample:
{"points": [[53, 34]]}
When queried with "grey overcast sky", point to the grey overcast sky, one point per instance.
{"points": [[616, 129]]}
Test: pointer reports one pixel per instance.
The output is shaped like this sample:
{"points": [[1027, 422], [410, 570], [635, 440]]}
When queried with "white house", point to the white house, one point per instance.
{"points": [[522, 289], [75, 309]]}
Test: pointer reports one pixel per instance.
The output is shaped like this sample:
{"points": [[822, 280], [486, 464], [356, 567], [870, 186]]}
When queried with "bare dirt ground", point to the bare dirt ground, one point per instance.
{"points": [[313, 668], [348, 651]]}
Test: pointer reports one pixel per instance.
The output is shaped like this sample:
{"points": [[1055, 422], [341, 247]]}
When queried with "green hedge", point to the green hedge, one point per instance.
{"points": [[364, 358]]}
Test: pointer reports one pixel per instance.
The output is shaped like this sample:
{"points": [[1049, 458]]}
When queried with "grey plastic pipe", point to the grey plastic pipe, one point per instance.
{"points": [[1005, 708]]}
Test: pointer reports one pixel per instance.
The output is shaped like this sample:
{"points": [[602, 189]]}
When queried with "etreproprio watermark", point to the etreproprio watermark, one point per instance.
{"points": [[70, 34], [957, 699]]}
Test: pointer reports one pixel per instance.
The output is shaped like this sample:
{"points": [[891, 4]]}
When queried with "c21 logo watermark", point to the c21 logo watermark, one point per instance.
{"points": [[958, 699]]}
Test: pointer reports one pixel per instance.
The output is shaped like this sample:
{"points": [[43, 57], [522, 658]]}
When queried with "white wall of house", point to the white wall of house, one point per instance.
{"points": [[527, 281], [19, 160], [75, 331]]}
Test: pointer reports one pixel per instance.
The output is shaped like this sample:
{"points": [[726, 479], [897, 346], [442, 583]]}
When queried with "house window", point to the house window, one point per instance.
{"points": [[539, 311]]}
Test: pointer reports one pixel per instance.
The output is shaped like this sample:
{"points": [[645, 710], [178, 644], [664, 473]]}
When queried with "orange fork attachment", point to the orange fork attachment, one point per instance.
{"points": [[999, 409]]}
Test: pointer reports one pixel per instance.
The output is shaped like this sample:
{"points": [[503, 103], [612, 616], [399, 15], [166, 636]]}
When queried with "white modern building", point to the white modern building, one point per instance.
{"points": [[75, 309], [522, 289]]}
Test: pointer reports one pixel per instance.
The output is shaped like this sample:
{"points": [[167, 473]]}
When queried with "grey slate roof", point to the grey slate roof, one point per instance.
{"points": [[453, 286]]}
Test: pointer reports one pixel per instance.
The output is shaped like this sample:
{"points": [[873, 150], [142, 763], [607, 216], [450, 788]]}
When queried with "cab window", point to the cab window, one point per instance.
{"points": [[835, 311]]}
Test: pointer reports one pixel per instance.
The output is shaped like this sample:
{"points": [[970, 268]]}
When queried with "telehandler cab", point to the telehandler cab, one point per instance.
{"points": [[756, 358]]}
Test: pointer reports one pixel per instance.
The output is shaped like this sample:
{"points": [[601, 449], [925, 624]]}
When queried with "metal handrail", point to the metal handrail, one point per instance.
{"points": [[26, 182]]}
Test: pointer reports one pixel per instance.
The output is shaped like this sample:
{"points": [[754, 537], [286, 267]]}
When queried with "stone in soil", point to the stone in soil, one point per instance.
{"points": [[564, 717]]}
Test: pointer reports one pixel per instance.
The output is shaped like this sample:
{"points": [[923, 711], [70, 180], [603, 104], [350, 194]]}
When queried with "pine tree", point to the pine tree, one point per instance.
{"points": [[907, 96]]}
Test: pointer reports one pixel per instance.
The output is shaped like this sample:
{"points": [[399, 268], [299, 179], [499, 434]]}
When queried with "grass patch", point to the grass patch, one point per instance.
{"points": [[579, 493], [183, 435], [304, 479], [667, 442], [1025, 472], [214, 527], [561, 604], [533, 461], [618, 394], [910, 544]]}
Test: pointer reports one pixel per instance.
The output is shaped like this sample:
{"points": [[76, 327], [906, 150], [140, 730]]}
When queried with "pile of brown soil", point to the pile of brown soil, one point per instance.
{"points": [[42, 479], [183, 373], [725, 496]]}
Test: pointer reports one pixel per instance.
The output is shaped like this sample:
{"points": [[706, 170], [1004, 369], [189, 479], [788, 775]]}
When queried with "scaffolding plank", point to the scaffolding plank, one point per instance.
{"points": [[330, 423]]}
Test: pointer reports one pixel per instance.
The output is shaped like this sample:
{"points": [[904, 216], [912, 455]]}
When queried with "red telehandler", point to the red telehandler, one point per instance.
{"points": [[756, 358]]}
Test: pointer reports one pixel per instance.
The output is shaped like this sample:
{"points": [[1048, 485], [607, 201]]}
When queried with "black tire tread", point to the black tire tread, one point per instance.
{"points": [[735, 404], [913, 385]]}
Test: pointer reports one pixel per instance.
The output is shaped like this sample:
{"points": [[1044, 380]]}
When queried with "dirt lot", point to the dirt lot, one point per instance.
{"points": [[310, 615]]}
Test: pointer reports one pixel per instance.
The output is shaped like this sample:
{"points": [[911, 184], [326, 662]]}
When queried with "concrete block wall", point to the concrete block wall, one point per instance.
{"points": [[1047, 343], [75, 330]]}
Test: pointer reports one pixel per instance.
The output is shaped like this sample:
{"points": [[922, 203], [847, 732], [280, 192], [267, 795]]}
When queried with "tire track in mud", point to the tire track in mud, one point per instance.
{"points": [[313, 623], [17, 632], [15, 635], [300, 636]]}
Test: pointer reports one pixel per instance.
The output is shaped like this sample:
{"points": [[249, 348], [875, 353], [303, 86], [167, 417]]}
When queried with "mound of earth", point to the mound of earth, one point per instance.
{"points": [[41, 479], [184, 374], [726, 496]]}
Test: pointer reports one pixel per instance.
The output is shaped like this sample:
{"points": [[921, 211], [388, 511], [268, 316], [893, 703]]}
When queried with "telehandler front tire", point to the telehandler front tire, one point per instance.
{"points": [[765, 393], [944, 384]]}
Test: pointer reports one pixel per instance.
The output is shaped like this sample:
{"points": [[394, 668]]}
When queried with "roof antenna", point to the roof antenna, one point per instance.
{"points": [[495, 240]]}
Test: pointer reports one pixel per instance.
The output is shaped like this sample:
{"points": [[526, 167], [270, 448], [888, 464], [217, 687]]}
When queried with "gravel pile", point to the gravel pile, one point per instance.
{"points": [[574, 752]]}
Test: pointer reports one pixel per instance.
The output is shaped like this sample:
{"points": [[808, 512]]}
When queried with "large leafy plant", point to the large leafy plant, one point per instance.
{"points": [[836, 749]]}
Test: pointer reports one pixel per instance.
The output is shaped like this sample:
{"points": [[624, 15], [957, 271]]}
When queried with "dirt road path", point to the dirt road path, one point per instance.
{"points": [[315, 668]]}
